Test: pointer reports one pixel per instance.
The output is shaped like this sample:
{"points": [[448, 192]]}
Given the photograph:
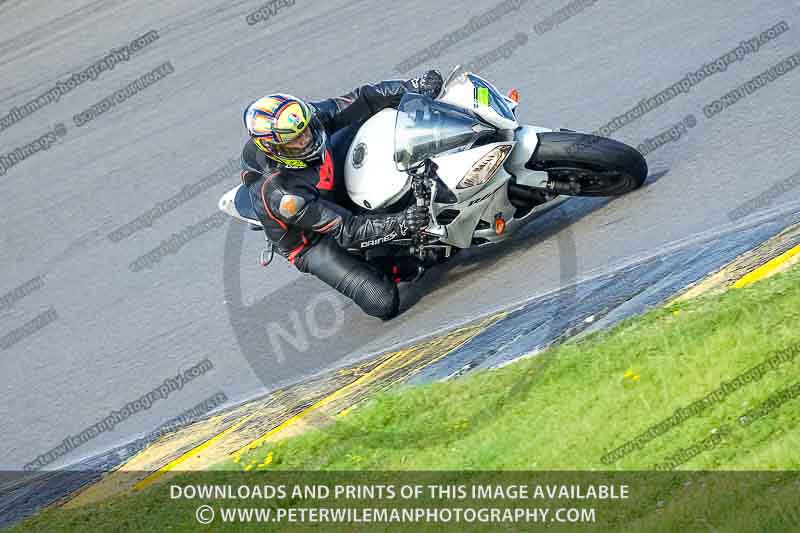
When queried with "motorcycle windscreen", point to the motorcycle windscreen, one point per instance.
{"points": [[460, 81], [426, 128]]}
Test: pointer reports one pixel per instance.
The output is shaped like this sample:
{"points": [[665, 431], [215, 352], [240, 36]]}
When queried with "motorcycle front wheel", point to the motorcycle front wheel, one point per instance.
{"points": [[579, 164]]}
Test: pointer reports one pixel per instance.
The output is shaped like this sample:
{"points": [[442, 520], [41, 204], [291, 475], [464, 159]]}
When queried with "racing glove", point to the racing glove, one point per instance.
{"points": [[304, 209], [364, 231], [429, 84]]}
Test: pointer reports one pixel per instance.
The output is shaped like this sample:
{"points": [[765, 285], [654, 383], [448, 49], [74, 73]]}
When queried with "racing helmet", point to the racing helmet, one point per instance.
{"points": [[286, 129]]}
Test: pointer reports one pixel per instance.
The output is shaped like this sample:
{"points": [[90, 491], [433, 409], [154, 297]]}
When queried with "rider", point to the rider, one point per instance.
{"points": [[288, 167]]}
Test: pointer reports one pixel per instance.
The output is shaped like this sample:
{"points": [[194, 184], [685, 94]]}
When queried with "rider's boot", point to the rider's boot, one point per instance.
{"points": [[400, 269]]}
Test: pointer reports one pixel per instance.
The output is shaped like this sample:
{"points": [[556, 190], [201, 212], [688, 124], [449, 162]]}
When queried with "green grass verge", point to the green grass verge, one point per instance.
{"points": [[565, 410], [568, 407]]}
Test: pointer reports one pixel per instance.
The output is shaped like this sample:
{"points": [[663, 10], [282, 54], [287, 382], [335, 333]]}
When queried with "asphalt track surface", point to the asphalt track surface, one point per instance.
{"points": [[108, 334]]}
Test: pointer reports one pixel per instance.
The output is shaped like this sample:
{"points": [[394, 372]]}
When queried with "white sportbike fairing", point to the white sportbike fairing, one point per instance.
{"points": [[482, 173]]}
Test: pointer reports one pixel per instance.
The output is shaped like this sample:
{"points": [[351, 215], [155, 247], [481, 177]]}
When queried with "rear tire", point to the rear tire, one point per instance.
{"points": [[579, 164]]}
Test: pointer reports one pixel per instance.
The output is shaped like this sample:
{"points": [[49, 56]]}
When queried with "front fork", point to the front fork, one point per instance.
{"points": [[421, 178]]}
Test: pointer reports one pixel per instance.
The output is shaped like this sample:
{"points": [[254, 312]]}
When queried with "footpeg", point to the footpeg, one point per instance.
{"points": [[268, 253]]}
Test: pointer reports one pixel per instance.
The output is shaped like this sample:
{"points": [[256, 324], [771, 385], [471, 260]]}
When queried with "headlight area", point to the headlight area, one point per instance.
{"points": [[485, 168]]}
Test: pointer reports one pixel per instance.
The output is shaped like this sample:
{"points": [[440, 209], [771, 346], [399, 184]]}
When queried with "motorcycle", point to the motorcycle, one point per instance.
{"points": [[465, 155]]}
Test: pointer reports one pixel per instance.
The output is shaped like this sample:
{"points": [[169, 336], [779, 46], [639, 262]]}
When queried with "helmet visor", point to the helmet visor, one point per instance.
{"points": [[308, 144]]}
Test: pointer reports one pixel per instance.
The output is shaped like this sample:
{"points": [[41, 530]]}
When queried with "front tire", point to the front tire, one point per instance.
{"points": [[579, 164]]}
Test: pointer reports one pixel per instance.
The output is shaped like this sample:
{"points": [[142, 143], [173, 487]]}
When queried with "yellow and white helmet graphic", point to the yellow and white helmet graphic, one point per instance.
{"points": [[277, 119]]}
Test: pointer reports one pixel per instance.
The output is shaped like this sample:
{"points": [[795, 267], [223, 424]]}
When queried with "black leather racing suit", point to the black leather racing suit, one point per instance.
{"points": [[301, 212]]}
